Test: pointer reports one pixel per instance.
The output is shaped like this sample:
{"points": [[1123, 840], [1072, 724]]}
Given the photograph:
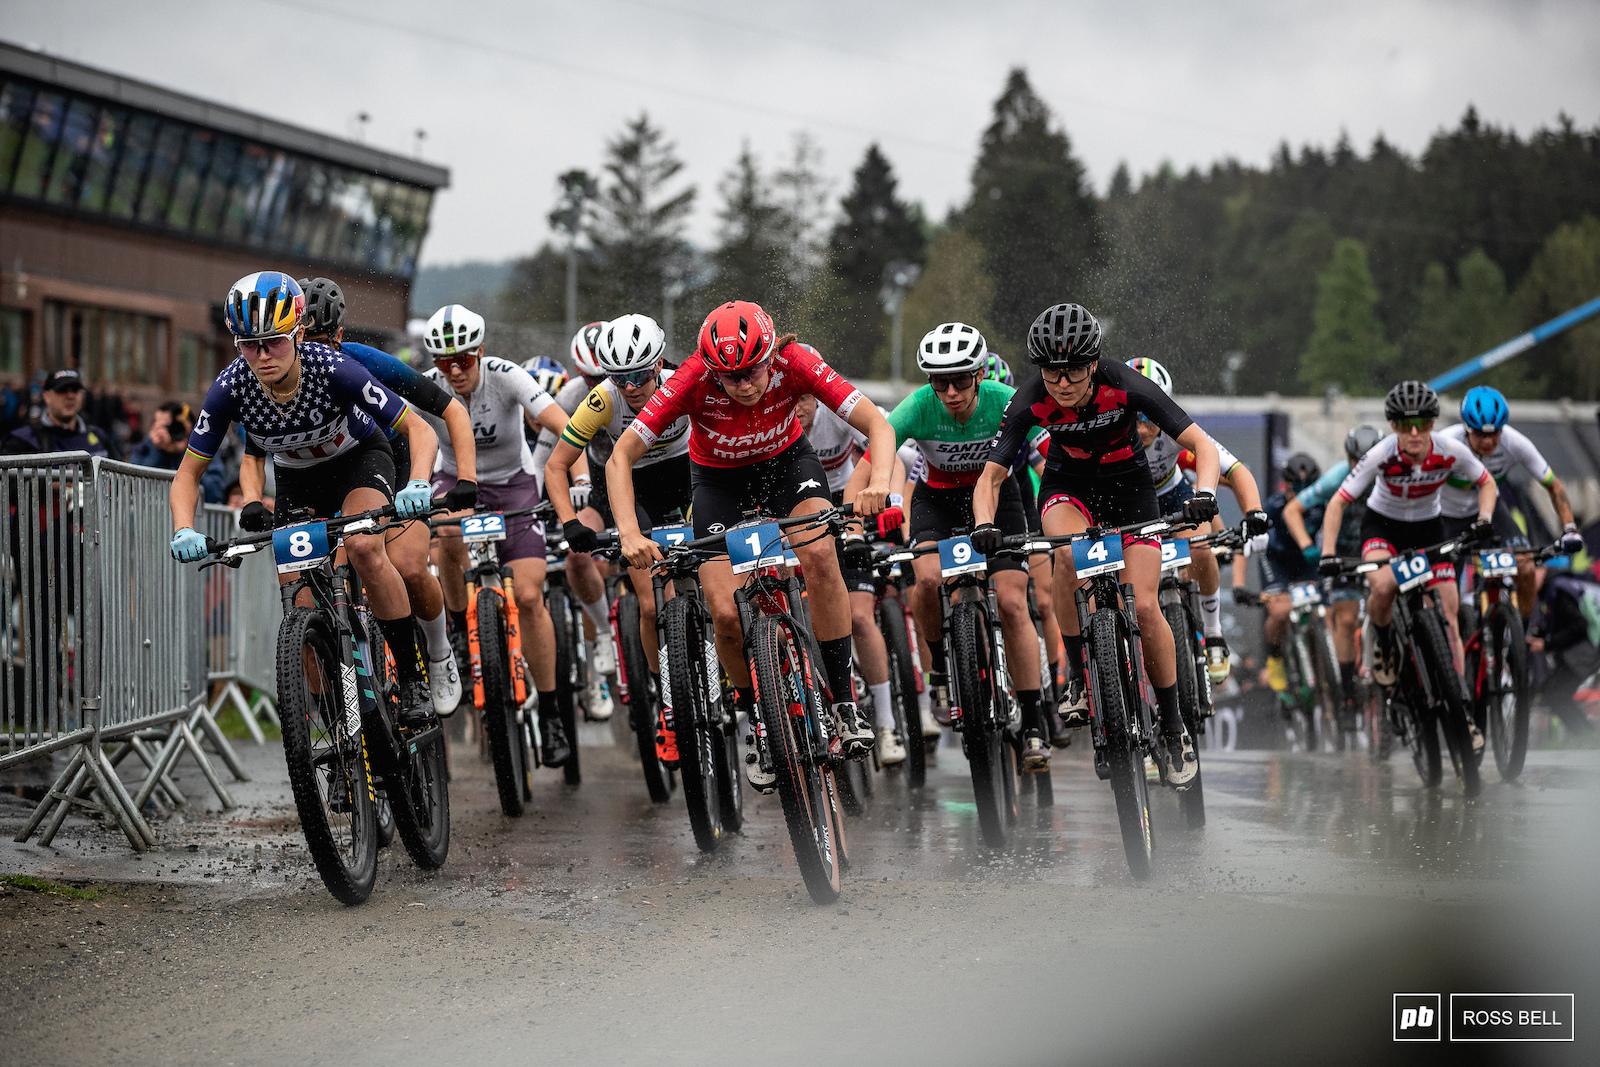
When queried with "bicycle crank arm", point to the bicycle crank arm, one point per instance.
{"points": [[416, 741]]}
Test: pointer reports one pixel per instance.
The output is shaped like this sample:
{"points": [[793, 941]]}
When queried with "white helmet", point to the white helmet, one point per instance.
{"points": [[1154, 371], [951, 348], [585, 345], [631, 343], [453, 331]]}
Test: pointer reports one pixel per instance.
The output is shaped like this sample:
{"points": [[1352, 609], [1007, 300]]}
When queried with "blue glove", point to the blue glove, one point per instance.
{"points": [[1571, 541], [188, 546], [1312, 553], [414, 500]]}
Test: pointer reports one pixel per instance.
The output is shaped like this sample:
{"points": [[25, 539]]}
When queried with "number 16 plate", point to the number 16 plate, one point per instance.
{"points": [[1097, 557]]}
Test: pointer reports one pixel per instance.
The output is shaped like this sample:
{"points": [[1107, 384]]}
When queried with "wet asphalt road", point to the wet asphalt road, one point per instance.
{"points": [[592, 931]]}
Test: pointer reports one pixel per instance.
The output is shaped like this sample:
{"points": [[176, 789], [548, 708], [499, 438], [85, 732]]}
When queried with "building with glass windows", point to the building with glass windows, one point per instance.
{"points": [[127, 210]]}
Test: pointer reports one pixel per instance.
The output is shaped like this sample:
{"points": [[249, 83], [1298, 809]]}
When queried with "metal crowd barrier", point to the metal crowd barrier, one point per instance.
{"points": [[243, 612], [104, 637]]}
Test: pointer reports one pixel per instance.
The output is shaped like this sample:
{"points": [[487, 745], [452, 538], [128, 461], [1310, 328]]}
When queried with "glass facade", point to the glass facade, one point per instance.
{"points": [[83, 154]]}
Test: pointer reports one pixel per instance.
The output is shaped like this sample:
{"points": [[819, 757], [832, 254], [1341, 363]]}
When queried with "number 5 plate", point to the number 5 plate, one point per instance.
{"points": [[957, 556], [486, 527], [1097, 557], [750, 547], [1498, 564], [1410, 571], [299, 548], [1174, 554]]}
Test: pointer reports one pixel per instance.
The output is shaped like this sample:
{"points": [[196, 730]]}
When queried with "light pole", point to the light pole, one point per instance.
{"points": [[576, 189], [898, 277]]}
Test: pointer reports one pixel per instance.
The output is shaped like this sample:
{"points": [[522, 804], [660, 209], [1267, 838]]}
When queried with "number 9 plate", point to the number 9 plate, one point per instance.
{"points": [[957, 556]]}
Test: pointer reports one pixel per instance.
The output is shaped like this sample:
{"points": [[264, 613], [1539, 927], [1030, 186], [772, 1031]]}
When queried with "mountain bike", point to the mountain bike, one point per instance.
{"points": [[637, 692], [566, 618], [1122, 719], [1314, 694], [983, 705], [1428, 697], [1497, 655], [1039, 783], [342, 739]]}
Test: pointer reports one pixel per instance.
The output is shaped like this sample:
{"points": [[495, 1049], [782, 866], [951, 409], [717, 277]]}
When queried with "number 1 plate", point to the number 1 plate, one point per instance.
{"points": [[490, 526], [1410, 571], [1174, 554], [299, 548], [957, 556], [750, 547], [1097, 557], [1498, 564]]}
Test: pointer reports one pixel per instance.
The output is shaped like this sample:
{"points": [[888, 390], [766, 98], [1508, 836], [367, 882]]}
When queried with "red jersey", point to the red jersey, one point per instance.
{"points": [[725, 433]]}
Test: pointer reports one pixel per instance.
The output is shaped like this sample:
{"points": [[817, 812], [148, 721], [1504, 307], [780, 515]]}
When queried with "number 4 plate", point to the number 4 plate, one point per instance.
{"points": [[490, 526], [299, 548], [957, 556], [1410, 571], [1174, 554], [1097, 557], [750, 547], [1498, 564]]}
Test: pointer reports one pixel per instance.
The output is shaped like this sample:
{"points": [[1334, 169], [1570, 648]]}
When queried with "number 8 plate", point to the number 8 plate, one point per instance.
{"points": [[299, 548]]}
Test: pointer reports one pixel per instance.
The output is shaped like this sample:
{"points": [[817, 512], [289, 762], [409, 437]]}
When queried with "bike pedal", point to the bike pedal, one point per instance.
{"points": [[427, 736]]}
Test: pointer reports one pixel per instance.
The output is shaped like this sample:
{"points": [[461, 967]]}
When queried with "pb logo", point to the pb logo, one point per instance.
{"points": [[1417, 1017]]}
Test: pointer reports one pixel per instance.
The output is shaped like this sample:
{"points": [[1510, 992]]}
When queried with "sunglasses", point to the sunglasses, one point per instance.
{"points": [[277, 345], [959, 382], [739, 377], [461, 363], [634, 379], [1071, 374], [1413, 425]]}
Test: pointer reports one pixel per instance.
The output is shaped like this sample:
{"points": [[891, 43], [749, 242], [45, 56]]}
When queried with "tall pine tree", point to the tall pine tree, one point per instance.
{"points": [[1347, 346], [1032, 211], [636, 224], [752, 257]]}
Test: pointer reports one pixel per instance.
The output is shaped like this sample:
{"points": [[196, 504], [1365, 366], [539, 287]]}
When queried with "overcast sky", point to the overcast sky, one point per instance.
{"points": [[512, 92]]}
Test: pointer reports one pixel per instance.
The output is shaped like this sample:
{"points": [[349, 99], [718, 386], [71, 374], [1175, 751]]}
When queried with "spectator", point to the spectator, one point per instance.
{"points": [[168, 439], [224, 467], [60, 428], [1566, 628]]}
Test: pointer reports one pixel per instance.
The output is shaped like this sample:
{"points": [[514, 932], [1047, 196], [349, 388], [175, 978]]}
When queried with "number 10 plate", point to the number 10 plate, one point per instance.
{"points": [[1410, 571], [1097, 557]]}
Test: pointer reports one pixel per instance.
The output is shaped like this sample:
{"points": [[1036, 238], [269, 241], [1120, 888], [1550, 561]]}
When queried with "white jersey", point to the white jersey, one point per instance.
{"points": [[1170, 462], [1409, 492], [836, 442], [1459, 500], [505, 391]]}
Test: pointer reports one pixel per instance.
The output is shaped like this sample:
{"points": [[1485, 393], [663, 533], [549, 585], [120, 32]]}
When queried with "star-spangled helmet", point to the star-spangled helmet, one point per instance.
{"points": [[267, 303], [737, 335]]}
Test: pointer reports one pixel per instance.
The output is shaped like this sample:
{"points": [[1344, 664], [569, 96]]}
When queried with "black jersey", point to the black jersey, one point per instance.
{"points": [[1099, 439]]}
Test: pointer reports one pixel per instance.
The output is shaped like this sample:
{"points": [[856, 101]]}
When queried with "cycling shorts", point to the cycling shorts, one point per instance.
{"points": [[1281, 570], [775, 486], [1116, 500], [856, 579], [1505, 526], [1030, 499], [1171, 502], [661, 493], [936, 513], [1381, 533], [321, 489], [524, 534]]}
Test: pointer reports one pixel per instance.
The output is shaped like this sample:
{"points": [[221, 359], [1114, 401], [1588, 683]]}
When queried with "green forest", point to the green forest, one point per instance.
{"points": [[1331, 268]]}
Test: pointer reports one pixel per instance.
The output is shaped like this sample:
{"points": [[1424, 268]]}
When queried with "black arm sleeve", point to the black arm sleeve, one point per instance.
{"points": [[1015, 425], [421, 393]]}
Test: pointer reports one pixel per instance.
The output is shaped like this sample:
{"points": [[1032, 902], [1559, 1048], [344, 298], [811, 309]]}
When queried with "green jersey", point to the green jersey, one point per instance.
{"points": [[955, 452]]}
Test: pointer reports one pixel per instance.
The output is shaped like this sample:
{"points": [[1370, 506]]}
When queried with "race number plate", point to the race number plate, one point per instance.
{"points": [[957, 556], [1411, 571], [1174, 554], [490, 526], [750, 547], [669, 536], [1498, 564], [1303, 594], [298, 548], [1097, 557]]}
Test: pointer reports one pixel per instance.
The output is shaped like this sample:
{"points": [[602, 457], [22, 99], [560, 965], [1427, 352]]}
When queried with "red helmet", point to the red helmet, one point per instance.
{"points": [[736, 335]]}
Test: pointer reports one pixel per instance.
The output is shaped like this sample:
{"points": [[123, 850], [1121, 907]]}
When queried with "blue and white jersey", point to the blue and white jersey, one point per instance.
{"points": [[337, 407]]}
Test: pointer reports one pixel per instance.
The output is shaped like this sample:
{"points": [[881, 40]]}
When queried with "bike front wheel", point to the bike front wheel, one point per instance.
{"points": [[1504, 699], [903, 689], [1110, 700], [1435, 649], [322, 748], [416, 777], [569, 674], [641, 705], [1192, 801], [787, 701], [701, 750], [499, 705], [981, 739]]}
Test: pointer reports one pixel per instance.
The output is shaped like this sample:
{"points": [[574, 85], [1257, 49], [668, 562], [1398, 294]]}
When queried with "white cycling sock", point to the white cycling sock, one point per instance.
{"points": [[880, 701], [1211, 614], [438, 639], [600, 613]]}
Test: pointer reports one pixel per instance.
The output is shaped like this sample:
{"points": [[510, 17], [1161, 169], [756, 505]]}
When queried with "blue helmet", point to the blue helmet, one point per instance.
{"points": [[549, 373], [268, 303], [1484, 409]]}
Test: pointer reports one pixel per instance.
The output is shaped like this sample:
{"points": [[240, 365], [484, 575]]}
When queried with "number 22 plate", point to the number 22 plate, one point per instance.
{"points": [[1097, 557], [490, 526], [299, 548], [957, 556]]}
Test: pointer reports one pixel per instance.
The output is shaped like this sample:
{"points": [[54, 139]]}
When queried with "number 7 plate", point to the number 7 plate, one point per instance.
{"points": [[668, 536], [1097, 557], [301, 547], [957, 556], [490, 526], [1410, 571]]}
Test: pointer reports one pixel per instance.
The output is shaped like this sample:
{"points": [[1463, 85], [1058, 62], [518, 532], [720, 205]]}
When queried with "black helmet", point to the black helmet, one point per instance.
{"points": [[1359, 441], [1411, 400], [1300, 470], [324, 305], [1064, 336]]}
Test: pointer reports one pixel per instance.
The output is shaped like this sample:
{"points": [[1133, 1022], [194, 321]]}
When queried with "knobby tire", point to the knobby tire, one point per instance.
{"points": [[641, 708], [1110, 700], [974, 669], [903, 689], [1506, 699], [699, 740], [569, 670], [1434, 645], [500, 705], [1192, 801]]}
